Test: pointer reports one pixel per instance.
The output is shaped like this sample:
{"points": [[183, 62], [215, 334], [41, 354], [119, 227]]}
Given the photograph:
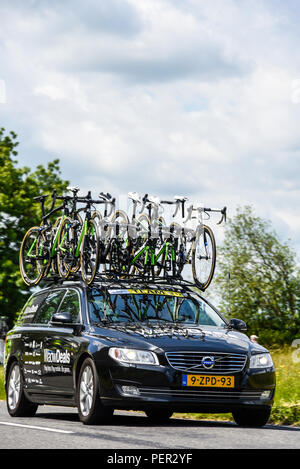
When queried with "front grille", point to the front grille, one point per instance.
{"points": [[188, 394], [191, 362]]}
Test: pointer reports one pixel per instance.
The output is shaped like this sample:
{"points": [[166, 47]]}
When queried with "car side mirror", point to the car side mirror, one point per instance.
{"points": [[238, 325], [62, 318]]}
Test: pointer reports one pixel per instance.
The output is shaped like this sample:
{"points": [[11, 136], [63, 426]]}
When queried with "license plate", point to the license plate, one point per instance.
{"points": [[211, 381]]}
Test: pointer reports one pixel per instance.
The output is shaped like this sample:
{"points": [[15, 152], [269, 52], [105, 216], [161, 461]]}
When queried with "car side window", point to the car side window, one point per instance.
{"points": [[71, 304], [28, 312], [49, 307]]}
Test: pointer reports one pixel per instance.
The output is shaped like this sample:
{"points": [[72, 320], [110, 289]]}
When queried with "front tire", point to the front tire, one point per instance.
{"points": [[90, 409], [17, 403], [252, 418]]}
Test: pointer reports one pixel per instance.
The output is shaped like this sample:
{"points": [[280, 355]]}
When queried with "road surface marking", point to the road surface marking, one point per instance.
{"points": [[33, 427]]}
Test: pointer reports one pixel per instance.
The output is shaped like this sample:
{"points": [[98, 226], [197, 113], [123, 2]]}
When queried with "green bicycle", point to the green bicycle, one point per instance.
{"points": [[39, 246], [148, 253], [78, 245]]}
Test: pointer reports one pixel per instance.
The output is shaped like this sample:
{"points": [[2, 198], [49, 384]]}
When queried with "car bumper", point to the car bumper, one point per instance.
{"points": [[138, 388]]}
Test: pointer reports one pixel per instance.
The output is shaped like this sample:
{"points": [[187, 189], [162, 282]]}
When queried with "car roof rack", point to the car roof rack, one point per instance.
{"points": [[55, 279], [122, 281]]}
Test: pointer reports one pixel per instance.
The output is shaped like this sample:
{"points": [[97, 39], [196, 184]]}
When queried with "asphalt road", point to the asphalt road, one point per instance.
{"points": [[60, 428]]}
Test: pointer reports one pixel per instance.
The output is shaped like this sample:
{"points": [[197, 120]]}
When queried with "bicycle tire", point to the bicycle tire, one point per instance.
{"points": [[159, 243], [203, 266], [67, 263], [142, 225], [76, 264], [89, 254], [64, 258], [96, 215], [53, 263], [159, 267], [31, 253], [117, 257]]}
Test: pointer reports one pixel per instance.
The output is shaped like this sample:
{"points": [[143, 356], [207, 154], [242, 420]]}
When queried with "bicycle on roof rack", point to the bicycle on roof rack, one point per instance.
{"points": [[158, 250], [38, 247], [66, 245], [115, 247], [79, 245], [172, 246]]}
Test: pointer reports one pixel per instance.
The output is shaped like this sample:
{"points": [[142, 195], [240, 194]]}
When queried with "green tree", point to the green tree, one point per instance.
{"points": [[264, 286], [18, 212]]}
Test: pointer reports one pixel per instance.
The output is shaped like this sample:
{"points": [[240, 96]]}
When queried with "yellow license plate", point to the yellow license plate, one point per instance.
{"points": [[211, 381]]}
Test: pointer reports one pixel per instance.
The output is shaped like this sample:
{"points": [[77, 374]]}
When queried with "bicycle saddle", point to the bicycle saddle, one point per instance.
{"points": [[180, 198], [134, 196], [153, 199], [73, 189]]}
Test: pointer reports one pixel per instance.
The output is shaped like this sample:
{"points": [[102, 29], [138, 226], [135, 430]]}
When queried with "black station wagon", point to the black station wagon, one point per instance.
{"points": [[159, 348]]}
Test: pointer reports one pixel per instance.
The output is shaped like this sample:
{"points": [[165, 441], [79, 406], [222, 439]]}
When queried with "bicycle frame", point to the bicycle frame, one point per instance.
{"points": [[151, 258], [56, 237], [82, 232], [79, 243]]}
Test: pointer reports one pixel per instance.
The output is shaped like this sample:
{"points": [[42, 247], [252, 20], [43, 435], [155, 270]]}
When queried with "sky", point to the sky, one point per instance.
{"points": [[169, 97]]}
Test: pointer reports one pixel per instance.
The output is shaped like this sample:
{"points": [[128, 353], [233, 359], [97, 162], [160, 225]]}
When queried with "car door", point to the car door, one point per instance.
{"points": [[61, 346], [37, 334], [30, 343]]}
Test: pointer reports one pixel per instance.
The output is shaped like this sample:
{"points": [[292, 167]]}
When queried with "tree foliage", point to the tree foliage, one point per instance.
{"points": [[18, 212], [264, 286]]}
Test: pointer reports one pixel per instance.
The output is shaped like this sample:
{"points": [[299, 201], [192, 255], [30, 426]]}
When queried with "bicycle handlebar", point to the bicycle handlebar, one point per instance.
{"points": [[223, 211], [177, 201], [65, 198]]}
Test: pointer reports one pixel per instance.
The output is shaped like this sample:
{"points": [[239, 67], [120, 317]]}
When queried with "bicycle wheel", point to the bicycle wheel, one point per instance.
{"points": [[34, 256], [65, 249], [89, 255], [180, 248], [77, 224], [204, 258], [142, 230], [53, 269], [119, 245], [96, 215], [167, 261]]}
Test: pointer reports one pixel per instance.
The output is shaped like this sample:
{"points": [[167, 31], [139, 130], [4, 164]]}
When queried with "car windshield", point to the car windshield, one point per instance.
{"points": [[150, 305]]}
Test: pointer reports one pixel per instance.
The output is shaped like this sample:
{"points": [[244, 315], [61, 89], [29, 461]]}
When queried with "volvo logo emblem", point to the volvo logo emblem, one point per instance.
{"points": [[208, 362]]}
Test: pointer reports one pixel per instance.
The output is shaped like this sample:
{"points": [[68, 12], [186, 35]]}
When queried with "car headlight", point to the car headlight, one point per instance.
{"points": [[261, 360], [126, 355]]}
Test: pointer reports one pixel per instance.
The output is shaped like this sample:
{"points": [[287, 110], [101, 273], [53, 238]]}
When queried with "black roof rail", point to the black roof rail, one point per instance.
{"points": [[122, 281]]}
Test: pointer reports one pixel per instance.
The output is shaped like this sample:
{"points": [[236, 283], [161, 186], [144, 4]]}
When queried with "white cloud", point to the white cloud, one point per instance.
{"points": [[163, 96]]}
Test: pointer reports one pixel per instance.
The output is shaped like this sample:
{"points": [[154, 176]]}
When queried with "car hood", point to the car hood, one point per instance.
{"points": [[174, 337]]}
